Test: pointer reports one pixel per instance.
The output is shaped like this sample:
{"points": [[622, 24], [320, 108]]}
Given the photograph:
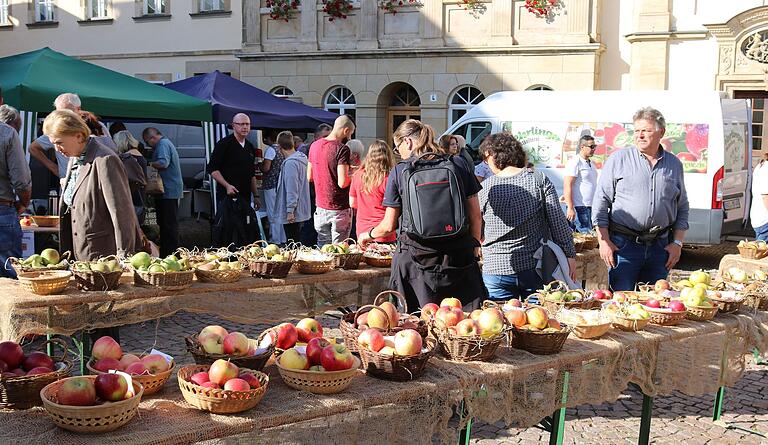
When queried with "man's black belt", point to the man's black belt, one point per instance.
{"points": [[647, 237]]}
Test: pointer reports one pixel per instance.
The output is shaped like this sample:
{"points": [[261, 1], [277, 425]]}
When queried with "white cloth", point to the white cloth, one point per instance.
{"points": [[270, 153], [586, 180], [562, 272], [276, 231], [758, 214]]}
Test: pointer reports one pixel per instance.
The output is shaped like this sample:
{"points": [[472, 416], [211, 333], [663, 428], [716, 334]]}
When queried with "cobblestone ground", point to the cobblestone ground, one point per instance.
{"points": [[677, 418]]}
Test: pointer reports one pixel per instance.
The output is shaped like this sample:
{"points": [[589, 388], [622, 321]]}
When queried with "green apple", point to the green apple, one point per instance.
{"points": [[156, 268], [100, 267], [271, 250], [141, 259], [278, 257], [50, 256]]}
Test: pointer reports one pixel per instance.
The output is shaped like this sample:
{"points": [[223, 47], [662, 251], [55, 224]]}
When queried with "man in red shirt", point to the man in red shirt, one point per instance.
{"points": [[328, 169]]}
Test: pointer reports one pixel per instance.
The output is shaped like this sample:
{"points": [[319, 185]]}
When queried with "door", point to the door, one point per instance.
{"points": [[398, 115]]}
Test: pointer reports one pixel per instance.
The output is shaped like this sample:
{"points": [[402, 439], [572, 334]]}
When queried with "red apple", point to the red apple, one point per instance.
{"points": [[515, 302], [516, 317], [77, 391], [491, 322], [676, 305], [378, 318], [236, 343], [392, 314], [537, 317], [211, 341], [408, 342], [362, 319], [39, 370], [221, 371], [106, 364], [237, 384], [111, 387], [452, 302], [137, 368], [449, 315], [215, 329], [308, 328], [210, 385], [155, 364], [336, 358], [107, 347], [428, 311], [3, 366], [599, 294], [315, 348], [286, 336], [475, 315], [661, 285], [11, 354], [293, 359], [252, 380], [18, 372], [467, 328], [652, 302], [128, 359], [199, 378], [371, 339], [36, 360]]}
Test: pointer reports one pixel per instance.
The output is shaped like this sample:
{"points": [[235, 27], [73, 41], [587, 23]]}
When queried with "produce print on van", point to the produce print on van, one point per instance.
{"points": [[542, 142]]}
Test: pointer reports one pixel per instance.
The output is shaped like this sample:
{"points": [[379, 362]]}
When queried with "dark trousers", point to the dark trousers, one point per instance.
{"points": [[167, 219], [293, 231], [637, 263]]}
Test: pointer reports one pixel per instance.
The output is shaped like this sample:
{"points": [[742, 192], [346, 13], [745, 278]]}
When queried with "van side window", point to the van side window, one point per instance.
{"points": [[474, 133]]}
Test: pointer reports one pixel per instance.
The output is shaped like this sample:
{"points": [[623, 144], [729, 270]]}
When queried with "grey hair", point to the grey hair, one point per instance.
{"points": [[67, 99], [585, 138], [125, 141], [9, 115], [356, 146], [650, 114]]}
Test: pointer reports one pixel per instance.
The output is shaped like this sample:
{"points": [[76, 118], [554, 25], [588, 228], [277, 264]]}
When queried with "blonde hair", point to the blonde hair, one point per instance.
{"points": [[285, 140], [422, 135], [65, 122], [378, 163], [125, 141]]}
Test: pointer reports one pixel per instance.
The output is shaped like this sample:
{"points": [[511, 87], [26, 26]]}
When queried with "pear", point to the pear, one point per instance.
{"points": [[156, 268], [141, 259], [100, 267], [113, 265], [207, 266], [50, 256]]}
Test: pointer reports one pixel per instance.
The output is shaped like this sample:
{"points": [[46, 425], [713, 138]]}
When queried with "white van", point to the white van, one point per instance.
{"points": [[709, 132]]}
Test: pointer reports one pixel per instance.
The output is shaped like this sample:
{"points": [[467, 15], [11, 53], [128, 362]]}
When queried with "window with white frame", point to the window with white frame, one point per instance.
{"points": [[539, 87], [44, 11], [341, 100], [281, 91], [97, 9], [211, 5], [155, 7], [4, 12], [462, 101]]}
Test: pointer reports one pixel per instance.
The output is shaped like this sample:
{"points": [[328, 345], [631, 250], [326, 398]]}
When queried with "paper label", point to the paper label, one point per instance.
{"points": [[167, 357]]}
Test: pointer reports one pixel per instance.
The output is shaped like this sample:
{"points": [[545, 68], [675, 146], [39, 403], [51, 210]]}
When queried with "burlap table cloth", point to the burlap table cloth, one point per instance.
{"points": [[517, 387], [737, 260], [249, 300]]}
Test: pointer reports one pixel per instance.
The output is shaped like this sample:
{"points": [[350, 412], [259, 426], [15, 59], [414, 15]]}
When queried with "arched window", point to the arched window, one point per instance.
{"points": [[462, 101], [405, 97], [340, 100], [281, 91], [539, 87]]}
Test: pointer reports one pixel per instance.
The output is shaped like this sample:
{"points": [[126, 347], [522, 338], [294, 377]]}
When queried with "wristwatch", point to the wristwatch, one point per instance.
{"points": [[678, 242]]}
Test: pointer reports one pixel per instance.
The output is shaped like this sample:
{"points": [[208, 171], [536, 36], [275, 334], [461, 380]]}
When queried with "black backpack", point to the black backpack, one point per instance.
{"points": [[433, 201]]}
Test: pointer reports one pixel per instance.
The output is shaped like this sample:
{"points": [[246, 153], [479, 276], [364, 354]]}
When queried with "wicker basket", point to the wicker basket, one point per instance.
{"points": [[395, 367], [540, 342], [48, 282], [164, 280], [218, 276], [220, 401], [591, 331], [347, 260], [270, 269], [255, 362], [700, 313], [325, 382], [97, 281], [465, 349], [377, 262], [727, 306], [752, 253], [46, 221], [630, 324], [23, 392], [420, 325], [664, 317], [348, 330], [314, 267], [103, 418], [151, 383], [756, 301]]}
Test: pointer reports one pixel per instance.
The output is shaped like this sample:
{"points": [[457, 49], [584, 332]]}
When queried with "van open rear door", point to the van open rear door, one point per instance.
{"points": [[732, 182]]}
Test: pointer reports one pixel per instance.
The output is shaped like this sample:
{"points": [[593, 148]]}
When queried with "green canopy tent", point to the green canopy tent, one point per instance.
{"points": [[31, 81]]}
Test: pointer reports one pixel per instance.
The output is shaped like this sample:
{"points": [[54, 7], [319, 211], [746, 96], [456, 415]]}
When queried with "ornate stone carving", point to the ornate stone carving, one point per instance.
{"points": [[755, 47], [726, 59]]}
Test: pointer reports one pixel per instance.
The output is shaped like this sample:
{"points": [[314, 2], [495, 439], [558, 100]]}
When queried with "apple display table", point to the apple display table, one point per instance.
{"points": [[748, 265], [517, 387]]}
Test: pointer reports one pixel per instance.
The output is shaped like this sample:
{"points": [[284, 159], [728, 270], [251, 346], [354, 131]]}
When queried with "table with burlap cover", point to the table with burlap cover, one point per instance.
{"points": [[516, 387], [249, 300], [749, 265]]}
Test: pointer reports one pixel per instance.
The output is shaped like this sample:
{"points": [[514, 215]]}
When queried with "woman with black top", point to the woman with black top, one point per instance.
{"points": [[428, 271]]}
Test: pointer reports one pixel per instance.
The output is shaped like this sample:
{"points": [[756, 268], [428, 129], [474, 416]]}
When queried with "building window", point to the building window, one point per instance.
{"points": [[44, 11], [759, 101], [4, 12], [155, 7], [462, 101], [97, 9], [406, 97], [340, 100], [211, 5], [281, 92], [539, 87]]}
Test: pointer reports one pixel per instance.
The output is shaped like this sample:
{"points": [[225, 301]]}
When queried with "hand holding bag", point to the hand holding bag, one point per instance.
{"points": [[154, 182]]}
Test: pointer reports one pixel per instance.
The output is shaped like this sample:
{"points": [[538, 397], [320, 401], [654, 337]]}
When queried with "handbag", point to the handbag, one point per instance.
{"points": [[548, 257], [154, 182]]}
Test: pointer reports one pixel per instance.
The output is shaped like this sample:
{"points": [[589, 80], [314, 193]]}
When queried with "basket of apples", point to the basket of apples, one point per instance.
{"points": [[534, 331], [214, 266], [698, 305], [753, 250], [48, 259], [267, 260], [101, 275], [629, 317], [346, 254], [22, 376], [215, 343], [92, 404], [313, 261], [169, 273], [665, 314], [382, 315], [222, 387], [401, 357], [151, 370], [472, 338], [556, 295], [320, 368]]}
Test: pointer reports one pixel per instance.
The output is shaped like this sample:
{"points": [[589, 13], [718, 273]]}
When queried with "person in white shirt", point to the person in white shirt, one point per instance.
{"points": [[579, 186], [758, 212]]}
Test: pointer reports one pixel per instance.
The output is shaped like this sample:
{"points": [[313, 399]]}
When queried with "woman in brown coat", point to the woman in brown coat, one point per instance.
{"points": [[97, 217]]}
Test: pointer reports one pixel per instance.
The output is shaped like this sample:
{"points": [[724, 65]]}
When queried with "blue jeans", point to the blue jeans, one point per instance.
{"points": [[506, 287], [583, 221], [10, 239], [637, 263], [761, 233]]}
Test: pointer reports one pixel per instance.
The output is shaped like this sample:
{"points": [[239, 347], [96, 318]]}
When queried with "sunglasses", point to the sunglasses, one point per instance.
{"points": [[593, 146]]}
